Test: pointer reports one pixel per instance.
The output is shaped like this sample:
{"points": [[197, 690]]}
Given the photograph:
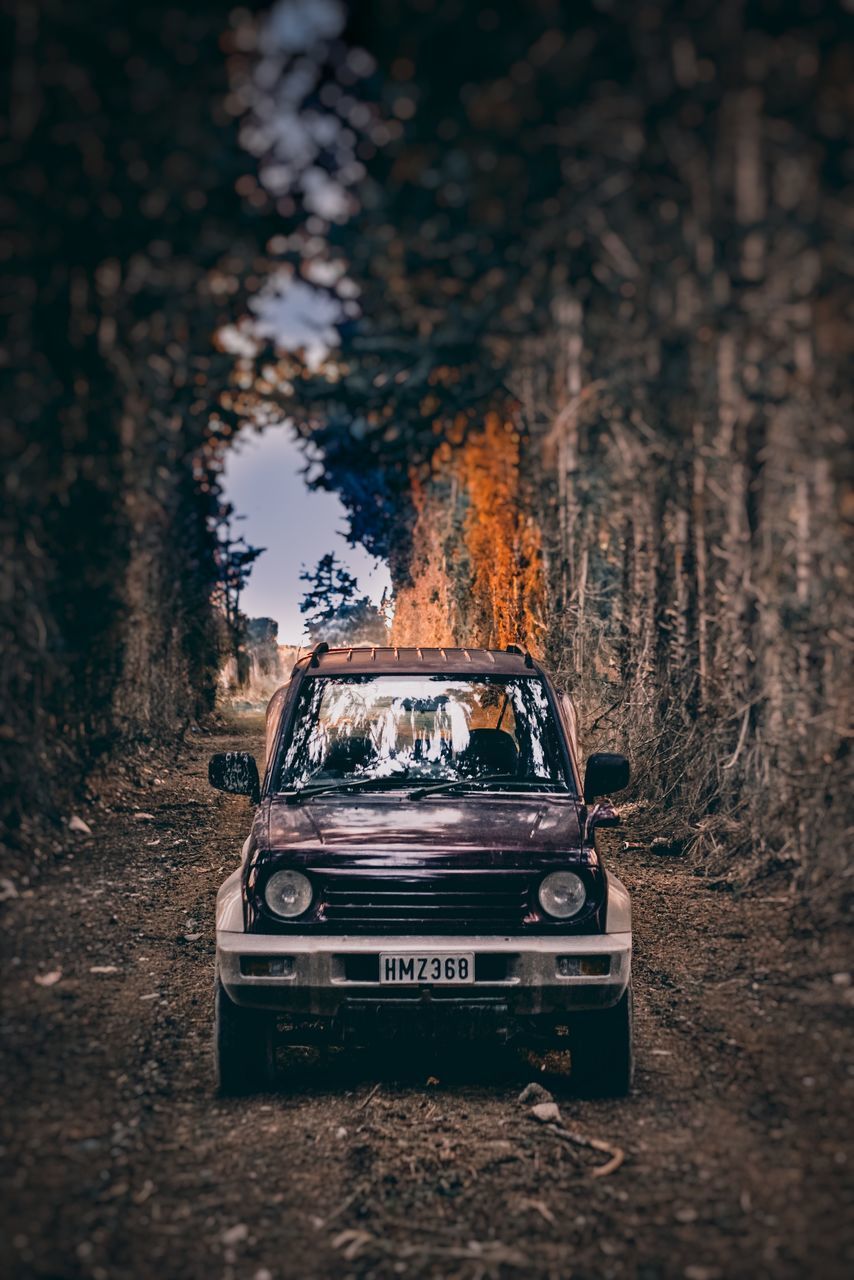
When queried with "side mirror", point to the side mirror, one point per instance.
{"points": [[236, 772], [606, 772]]}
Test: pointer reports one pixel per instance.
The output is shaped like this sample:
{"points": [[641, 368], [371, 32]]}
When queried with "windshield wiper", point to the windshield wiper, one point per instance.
{"points": [[326, 788], [483, 784]]}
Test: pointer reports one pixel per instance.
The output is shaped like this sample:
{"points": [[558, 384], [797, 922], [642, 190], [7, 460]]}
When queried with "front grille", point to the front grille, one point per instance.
{"points": [[434, 902]]}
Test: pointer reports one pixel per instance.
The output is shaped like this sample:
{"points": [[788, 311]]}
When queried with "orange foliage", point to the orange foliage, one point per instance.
{"points": [[423, 611], [471, 528]]}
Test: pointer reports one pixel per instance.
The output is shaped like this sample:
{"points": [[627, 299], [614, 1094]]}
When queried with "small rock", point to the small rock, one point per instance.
{"points": [[546, 1112], [48, 979], [534, 1093], [702, 1273], [104, 968], [686, 1215], [235, 1235], [341, 1132], [263, 1274], [77, 824], [143, 817], [192, 937], [7, 889], [841, 979]]}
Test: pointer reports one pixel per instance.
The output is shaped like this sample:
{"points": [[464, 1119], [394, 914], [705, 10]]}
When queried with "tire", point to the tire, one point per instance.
{"points": [[602, 1051], [243, 1046]]}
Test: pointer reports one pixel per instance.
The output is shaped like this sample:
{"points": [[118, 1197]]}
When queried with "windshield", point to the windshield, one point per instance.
{"points": [[421, 729]]}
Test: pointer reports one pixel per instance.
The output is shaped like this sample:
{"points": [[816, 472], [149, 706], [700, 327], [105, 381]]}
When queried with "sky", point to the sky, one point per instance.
{"points": [[262, 471], [262, 480]]}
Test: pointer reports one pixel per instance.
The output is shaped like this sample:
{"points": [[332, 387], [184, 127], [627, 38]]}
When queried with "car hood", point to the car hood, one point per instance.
{"points": [[389, 836], [450, 825]]}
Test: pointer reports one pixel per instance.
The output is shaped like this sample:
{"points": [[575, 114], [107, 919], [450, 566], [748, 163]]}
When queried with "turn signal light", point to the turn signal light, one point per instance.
{"points": [[583, 966], [267, 966]]}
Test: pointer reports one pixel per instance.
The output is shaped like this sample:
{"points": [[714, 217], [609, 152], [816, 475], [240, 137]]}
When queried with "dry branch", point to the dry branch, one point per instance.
{"points": [[548, 1114]]}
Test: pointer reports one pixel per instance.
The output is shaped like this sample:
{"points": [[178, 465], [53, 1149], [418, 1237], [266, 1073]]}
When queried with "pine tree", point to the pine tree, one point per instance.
{"points": [[334, 610]]}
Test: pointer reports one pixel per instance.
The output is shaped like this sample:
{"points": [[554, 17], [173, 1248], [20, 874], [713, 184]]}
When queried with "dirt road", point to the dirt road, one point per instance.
{"points": [[119, 1161]]}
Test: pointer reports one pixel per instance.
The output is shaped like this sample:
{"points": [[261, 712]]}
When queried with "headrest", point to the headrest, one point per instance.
{"points": [[489, 751], [348, 754]]}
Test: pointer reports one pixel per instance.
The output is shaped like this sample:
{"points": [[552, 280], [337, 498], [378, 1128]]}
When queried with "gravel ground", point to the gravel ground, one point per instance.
{"points": [[119, 1160]]}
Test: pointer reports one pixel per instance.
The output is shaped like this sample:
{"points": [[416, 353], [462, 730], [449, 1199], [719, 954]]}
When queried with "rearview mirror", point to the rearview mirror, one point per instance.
{"points": [[235, 772], [606, 772]]}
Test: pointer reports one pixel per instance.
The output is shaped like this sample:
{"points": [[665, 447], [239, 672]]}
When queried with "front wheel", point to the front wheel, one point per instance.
{"points": [[243, 1046], [601, 1050]]}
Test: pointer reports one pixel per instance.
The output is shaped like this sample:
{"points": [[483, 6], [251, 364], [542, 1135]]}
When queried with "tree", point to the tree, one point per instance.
{"points": [[110, 379], [234, 560], [619, 233], [334, 610]]}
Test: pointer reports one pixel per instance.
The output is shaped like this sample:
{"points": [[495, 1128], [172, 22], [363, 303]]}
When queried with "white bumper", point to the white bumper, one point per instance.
{"points": [[318, 984]]}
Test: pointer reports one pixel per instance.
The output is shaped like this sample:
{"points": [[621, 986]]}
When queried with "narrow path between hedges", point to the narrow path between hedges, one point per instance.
{"points": [[119, 1161]]}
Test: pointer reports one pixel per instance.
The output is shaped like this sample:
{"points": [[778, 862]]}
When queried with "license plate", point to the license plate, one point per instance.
{"points": [[445, 968]]}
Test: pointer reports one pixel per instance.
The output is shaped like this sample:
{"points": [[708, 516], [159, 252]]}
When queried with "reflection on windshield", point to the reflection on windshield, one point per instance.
{"points": [[421, 729]]}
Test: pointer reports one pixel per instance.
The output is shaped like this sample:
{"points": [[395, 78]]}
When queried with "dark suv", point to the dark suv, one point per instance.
{"points": [[422, 860]]}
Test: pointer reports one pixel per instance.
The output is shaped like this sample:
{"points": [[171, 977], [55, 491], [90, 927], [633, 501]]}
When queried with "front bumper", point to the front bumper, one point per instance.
{"points": [[318, 986]]}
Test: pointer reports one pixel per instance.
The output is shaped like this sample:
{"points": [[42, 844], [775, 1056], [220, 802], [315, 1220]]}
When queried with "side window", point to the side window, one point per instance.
{"points": [[274, 715]]}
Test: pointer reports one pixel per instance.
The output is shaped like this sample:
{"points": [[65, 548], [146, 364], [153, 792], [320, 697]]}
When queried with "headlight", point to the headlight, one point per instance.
{"points": [[562, 894], [288, 893]]}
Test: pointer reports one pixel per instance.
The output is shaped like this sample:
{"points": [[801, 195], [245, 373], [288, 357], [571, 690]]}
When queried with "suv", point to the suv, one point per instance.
{"points": [[422, 859]]}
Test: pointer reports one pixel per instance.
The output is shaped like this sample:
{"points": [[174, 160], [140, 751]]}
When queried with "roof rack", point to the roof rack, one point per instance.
{"points": [[381, 656], [314, 656], [523, 653]]}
